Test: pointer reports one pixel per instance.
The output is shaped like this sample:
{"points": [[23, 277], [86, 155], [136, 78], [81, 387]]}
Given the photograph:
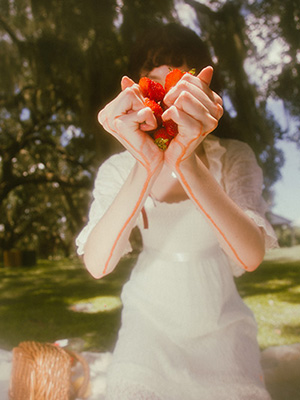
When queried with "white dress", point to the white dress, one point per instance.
{"points": [[186, 333]]}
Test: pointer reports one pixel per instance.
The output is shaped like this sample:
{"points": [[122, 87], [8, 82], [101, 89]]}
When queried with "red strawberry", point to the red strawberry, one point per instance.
{"points": [[156, 109], [151, 89], [172, 78], [162, 139], [171, 127]]}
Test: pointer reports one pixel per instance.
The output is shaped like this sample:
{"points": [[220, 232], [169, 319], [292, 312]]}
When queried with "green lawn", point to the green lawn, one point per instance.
{"points": [[273, 294], [59, 299]]}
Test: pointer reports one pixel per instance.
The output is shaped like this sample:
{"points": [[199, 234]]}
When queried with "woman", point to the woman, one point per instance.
{"points": [[186, 333]]}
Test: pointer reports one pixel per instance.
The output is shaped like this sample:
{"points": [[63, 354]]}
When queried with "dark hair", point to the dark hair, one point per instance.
{"points": [[175, 45], [170, 44]]}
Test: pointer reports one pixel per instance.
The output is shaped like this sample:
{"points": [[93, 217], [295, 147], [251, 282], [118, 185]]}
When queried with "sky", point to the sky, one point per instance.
{"points": [[287, 189]]}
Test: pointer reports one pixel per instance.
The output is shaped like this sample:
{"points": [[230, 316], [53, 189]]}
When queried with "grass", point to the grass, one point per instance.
{"points": [[59, 299], [273, 294]]}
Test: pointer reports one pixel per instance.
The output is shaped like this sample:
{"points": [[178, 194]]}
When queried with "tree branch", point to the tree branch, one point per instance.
{"points": [[7, 187], [201, 8], [10, 31]]}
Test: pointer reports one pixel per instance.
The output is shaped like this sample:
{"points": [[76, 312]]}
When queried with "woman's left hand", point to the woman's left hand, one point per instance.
{"points": [[196, 109]]}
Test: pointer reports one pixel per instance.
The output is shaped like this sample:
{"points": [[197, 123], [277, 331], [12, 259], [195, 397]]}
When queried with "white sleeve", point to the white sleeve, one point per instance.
{"points": [[110, 178], [243, 181]]}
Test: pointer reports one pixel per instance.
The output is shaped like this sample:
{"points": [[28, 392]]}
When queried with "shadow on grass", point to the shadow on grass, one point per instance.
{"points": [[291, 330], [280, 277], [35, 304], [39, 303]]}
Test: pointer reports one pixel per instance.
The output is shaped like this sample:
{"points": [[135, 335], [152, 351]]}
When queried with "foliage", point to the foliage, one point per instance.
{"points": [[288, 236], [282, 22], [62, 61]]}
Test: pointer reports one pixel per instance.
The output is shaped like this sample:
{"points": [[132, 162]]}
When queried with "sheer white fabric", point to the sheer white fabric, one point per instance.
{"points": [[185, 333], [123, 390], [110, 178], [128, 391], [232, 163], [242, 180]]}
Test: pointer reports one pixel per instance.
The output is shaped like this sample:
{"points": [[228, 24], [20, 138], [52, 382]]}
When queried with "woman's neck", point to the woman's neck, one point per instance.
{"points": [[167, 187]]}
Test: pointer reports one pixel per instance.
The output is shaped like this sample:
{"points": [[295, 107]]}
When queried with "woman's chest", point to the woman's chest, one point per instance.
{"points": [[168, 188], [176, 227]]}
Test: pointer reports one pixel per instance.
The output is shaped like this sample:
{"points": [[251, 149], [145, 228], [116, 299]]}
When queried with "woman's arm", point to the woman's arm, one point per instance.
{"points": [[196, 110], [238, 234], [108, 239], [123, 118]]}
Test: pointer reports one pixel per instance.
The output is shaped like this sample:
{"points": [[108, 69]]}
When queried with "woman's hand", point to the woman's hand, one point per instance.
{"points": [[196, 109], [128, 120]]}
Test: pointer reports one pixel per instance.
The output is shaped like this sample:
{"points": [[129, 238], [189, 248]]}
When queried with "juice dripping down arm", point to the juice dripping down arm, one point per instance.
{"points": [[239, 236], [105, 244], [123, 118], [197, 109]]}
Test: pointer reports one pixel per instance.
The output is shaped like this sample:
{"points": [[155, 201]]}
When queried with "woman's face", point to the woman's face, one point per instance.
{"points": [[159, 74]]}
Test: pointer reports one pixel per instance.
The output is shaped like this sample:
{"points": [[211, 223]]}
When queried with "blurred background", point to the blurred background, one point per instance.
{"points": [[62, 61]]}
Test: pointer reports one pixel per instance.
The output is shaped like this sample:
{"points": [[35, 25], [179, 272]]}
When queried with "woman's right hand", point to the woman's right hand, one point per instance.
{"points": [[128, 120]]}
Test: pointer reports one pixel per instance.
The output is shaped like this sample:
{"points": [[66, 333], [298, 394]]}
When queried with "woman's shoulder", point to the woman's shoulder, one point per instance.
{"points": [[228, 145], [235, 145], [237, 151], [123, 159], [115, 168], [239, 161], [119, 162], [225, 153]]}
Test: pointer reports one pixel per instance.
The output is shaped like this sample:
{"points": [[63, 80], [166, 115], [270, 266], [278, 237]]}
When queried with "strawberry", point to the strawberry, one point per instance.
{"points": [[161, 138], [172, 78], [151, 89], [154, 94], [156, 109], [171, 127]]}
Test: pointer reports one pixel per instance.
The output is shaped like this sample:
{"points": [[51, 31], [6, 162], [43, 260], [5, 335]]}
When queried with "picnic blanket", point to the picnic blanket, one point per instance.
{"points": [[281, 365]]}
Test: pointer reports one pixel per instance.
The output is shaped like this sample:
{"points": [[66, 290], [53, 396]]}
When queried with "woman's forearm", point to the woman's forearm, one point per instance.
{"points": [[106, 243], [238, 235]]}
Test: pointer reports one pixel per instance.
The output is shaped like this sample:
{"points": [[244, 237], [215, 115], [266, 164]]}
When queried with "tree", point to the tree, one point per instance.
{"points": [[53, 81], [227, 31], [62, 61], [39, 129], [283, 30]]}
